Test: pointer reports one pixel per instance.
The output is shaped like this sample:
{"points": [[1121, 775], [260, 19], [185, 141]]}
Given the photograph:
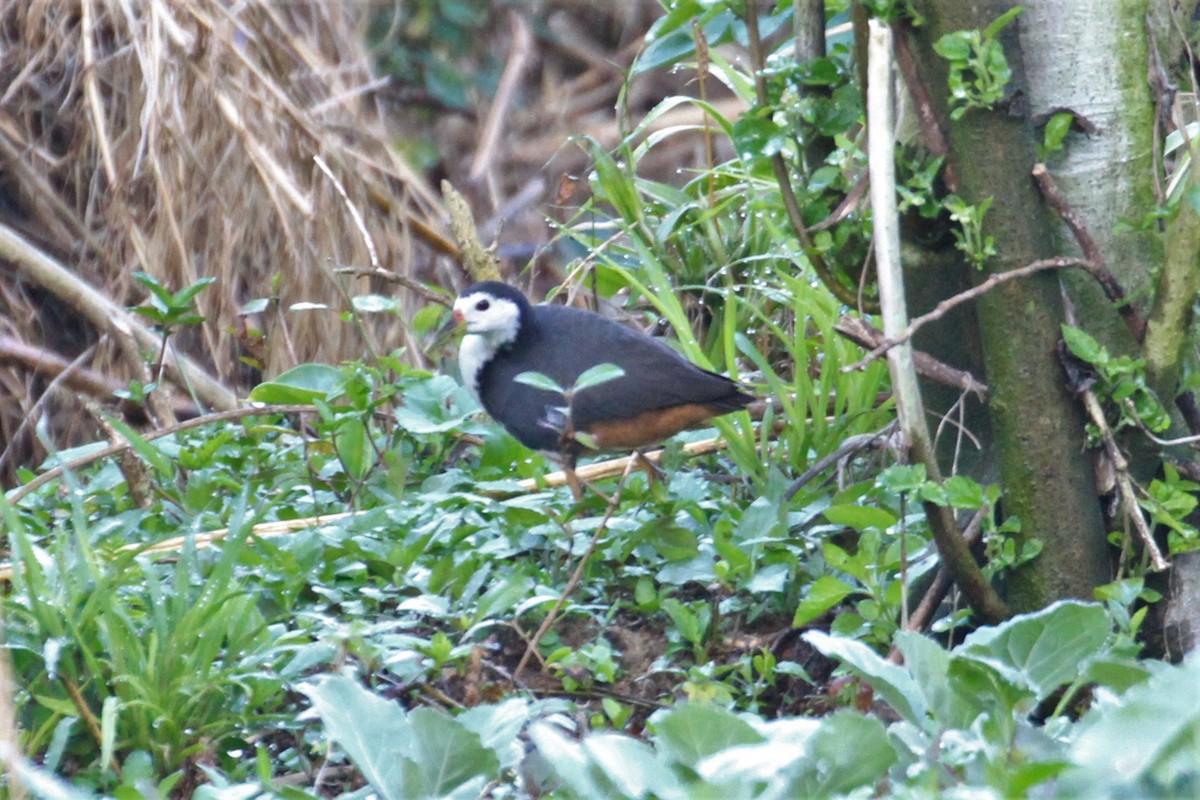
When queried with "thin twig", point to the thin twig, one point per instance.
{"points": [[355, 214], [922, 615], [866, 335], [577, 575], [599, 470], [1091, 251], [1120, 467], [521, 48], [413, 286], [947, 305], [931, 128]]}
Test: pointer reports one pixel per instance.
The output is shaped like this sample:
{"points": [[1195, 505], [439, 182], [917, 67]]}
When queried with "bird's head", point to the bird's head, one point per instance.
{"points": [[491, 310]]}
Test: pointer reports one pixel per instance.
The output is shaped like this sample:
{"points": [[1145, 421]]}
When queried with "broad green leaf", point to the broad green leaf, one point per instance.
{"points": [[953, 47], [1083, 345], [367, 727], [756, 137], [559, 756], [597, 375], [963, 492], [688, 733], [823, 594], [498, 728], [861, 517], [894, 684], [255, 306], [1043, 650], [673, 542], [301, 384], [450, 758], [929, 664], [436, 405], [1152, 738], [631, 766], [353, 443], [539, 381], [847, 752]]}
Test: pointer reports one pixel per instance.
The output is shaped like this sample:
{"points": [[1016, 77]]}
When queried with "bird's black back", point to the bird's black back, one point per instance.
{"points": [[562, 343]]}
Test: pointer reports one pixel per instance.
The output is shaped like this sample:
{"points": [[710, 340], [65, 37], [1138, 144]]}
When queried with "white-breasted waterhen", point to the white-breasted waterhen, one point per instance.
{"points": [[660, 394]]}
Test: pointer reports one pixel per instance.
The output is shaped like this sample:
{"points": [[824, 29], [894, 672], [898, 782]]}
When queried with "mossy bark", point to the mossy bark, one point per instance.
{"points": [[1038, 426]]}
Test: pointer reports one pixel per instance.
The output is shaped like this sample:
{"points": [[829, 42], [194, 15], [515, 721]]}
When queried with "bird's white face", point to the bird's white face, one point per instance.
{"points": [[492, 322], [494, 318]]}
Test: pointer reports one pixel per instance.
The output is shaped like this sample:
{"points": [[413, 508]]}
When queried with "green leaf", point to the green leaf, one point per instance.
{"points": [[953, 47], [302, 384], [1057, 128], [450, 758], [673, 542], [559, 756], [902, 477], [595, 376], [539, 381], [688, 733], [373, 304], [367, 727], [436, 405], [1000, 22], [861, 517], [108, 729], [755, 137], [1192, 195], [255, 306], [631, 766], [353, 444], [848, 751], [895, 685], [1151, 738], [184, 296], [612, 184], [823, 594], [963, 492], [1043, 650], [1083, 345]]}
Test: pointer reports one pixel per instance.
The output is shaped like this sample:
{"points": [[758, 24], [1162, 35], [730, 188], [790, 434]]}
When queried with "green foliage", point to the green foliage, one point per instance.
{"points": [[1054, 133], [429, 44], [979, 70], [969, 236], [1120, 379], [167, 309], [265, 663], [961, 719], [892, 11]]}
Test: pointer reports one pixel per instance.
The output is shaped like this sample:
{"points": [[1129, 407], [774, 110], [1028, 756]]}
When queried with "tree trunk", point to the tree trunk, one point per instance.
{"points": [[1038, 426]]}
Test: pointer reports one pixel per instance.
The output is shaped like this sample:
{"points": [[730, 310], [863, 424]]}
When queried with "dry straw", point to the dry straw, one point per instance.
{"points": [[179, 139]]}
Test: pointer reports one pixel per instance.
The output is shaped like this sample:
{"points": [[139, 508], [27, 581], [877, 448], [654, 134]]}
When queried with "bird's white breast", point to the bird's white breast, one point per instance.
{"points": [[473, 353]]}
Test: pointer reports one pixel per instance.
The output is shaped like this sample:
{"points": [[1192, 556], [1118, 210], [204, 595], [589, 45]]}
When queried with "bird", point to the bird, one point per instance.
{"points": [[658, 393]]}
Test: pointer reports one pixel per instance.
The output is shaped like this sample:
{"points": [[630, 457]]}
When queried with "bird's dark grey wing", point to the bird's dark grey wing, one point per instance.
{"points": [[655, 377]]}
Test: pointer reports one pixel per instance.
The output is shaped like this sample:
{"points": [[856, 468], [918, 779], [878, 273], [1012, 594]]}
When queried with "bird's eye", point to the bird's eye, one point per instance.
{"points": [[482, 305]]}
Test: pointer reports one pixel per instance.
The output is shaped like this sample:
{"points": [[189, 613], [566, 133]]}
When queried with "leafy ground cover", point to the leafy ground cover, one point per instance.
{"points": [[447, 630], [721, 641]]}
